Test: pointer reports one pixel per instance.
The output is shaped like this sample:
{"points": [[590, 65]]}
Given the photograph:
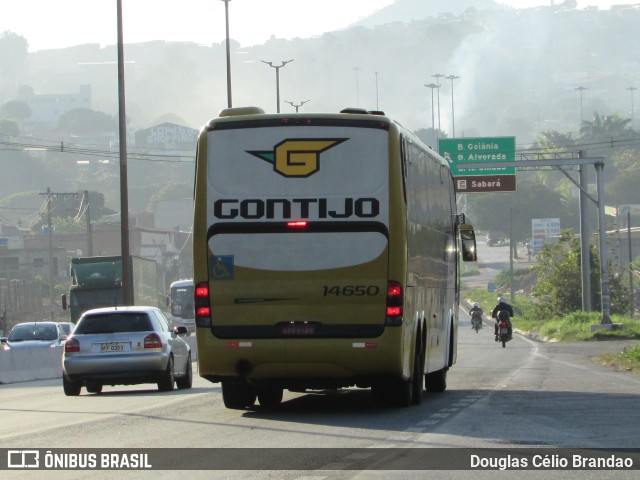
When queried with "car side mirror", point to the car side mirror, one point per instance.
{"points": [[3, 340]]}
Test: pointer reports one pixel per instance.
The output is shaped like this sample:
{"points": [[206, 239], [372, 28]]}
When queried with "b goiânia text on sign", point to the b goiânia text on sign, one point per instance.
{"points": [[478, 149]]}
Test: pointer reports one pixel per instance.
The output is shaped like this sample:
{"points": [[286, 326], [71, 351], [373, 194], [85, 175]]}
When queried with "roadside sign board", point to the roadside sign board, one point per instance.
{"points": [[466, 151], [485, 183], [542, 231], [462, 153]]}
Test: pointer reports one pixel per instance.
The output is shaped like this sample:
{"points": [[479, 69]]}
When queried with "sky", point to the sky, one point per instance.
{"points": [[48, 24]]}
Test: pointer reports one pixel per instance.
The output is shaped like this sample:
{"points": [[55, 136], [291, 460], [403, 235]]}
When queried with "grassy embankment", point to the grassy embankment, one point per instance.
{"points": [[575, 327]]}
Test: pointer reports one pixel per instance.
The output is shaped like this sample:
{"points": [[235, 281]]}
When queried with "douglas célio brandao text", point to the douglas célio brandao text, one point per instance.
{"points": [[552, 462]]}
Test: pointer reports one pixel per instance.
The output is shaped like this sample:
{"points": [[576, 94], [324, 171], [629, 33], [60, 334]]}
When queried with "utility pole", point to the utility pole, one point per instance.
{"points": [[87, 217], [585, 251], [226, 14], [511, 250], [632, 300], [50, 196], [127, 289], [50, 239]]}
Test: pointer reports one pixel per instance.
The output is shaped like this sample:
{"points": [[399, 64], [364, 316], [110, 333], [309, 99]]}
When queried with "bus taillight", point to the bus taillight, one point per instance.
{"points": [[202, 305], [297, 225], [395, 301]]}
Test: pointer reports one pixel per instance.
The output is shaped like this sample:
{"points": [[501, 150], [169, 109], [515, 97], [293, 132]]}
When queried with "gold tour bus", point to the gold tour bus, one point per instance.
{"points": [[326, 255]]}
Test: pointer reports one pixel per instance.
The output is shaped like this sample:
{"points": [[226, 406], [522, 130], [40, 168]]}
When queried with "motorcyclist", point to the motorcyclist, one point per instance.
{"points": [[502, 306], [476, 312]]}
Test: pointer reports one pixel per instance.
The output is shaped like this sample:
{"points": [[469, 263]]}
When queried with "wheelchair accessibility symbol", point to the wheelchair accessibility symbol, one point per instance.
{"points": [[221, 267]]}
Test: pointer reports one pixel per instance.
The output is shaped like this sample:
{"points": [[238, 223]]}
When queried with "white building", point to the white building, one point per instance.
{"points": [[48, 107]]}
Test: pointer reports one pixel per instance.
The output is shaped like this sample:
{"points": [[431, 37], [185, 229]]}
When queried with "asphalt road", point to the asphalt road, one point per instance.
{"points": [[529, 394]]}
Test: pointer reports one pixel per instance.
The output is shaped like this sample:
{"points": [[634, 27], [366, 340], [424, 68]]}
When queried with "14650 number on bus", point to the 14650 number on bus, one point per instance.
{"points": [[350, 290]]}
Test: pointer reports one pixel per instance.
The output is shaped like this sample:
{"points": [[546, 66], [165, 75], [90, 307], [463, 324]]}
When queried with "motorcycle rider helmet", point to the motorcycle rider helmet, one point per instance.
{"points": [[475, 305], [502, 300]]}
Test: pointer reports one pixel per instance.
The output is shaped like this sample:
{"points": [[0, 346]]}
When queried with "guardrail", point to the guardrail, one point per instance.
{"points": [[28, 364]]}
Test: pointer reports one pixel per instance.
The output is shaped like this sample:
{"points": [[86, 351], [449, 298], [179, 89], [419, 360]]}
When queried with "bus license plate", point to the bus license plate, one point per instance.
{"points": [[298, 329]]}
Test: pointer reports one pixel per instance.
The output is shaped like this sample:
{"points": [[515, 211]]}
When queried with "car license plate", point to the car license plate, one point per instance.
{"points": [[112, 347]]}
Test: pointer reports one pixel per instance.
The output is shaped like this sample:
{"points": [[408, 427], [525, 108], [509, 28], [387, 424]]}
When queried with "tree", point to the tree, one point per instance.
{"points": [[13, 52], [559, 285], [86, 121], [9, 127], [622, 186], [605, 128], [15, 110], [559, 280], [553, 141], [495, 211]]}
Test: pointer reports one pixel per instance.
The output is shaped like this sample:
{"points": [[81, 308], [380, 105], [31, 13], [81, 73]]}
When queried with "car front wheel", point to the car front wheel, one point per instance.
{"points": [[186, 381]]}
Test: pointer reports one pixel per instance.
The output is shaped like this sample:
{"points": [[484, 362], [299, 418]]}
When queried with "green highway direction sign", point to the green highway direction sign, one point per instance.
{"points": [[463, 152]]}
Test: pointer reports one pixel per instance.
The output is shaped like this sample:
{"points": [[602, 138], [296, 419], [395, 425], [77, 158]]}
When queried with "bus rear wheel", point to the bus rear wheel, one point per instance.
{"points": [[238, 395], [416, 380], [270, 397], [436, 382]]}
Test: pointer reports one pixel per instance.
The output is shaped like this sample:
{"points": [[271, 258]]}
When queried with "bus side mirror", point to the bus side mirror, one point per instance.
{"points": [[468, 241]]}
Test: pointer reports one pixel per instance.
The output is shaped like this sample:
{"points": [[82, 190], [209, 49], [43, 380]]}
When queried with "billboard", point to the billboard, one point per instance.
{"points": [[542, 230]]}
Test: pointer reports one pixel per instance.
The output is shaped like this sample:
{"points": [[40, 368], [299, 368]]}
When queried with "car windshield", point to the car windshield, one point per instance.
{"points": [[23, 333], [116, 322]]}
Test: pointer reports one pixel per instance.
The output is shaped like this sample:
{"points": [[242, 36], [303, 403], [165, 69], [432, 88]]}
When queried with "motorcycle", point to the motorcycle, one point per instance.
{"points": [[503, 333], [476, 323]]}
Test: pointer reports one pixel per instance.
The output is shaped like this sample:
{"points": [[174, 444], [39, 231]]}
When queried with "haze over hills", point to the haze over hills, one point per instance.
{"points": [[517, 71], [409, 10], [502, 56]]}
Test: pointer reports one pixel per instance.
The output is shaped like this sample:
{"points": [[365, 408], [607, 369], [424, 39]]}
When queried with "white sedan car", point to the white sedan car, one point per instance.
{"points": [[125, 346]]}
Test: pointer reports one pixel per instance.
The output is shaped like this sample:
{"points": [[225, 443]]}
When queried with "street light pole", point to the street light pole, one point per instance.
{"points": [[377, 104], [226, 14], [438, 76], [581, 90], [432, 86], [357, 69], [631, 90], [297, 105], [453, 122], [277, 67]]}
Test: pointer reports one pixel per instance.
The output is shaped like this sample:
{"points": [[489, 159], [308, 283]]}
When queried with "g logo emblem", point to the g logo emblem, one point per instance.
{"points": [[297, 158]]}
